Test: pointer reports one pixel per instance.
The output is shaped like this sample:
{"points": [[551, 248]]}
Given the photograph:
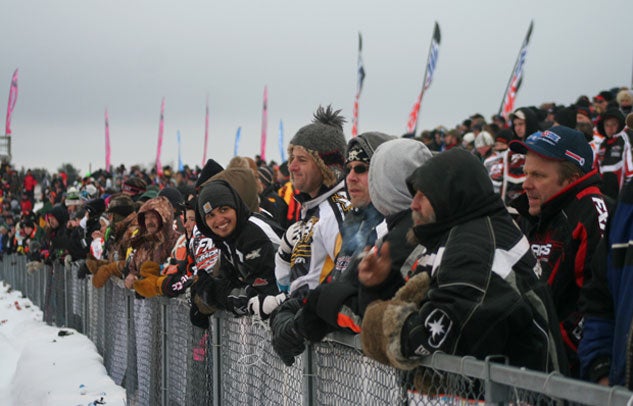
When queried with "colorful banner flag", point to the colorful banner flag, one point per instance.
{"points": [[282, 149], [262, 151], [238, 135], [431, 64], [13, 97], [180, 165], [509, 96], [206, 133], [161, 128], [107, 142], [359, 86]]}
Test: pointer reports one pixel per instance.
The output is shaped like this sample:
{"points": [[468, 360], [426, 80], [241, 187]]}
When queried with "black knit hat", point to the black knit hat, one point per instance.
{"points": [[95, 207], [566, 116], [325, 142], [265, 176], [121, 206], [611, 113], [215, 194], [210, 168], [175, 198]]}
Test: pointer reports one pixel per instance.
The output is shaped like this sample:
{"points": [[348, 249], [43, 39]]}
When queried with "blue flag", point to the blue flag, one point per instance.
{"points": [[180, 166], [282, 151], [237, 140]]}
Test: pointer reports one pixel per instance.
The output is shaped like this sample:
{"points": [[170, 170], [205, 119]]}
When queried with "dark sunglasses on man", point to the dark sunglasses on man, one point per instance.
{"points": [[360, 168]]}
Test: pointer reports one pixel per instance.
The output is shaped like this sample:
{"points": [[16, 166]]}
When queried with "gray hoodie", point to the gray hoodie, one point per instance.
{"points": [[391, 164]]}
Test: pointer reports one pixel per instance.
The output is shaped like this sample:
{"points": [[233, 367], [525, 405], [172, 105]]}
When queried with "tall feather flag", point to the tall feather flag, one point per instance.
{"points": [[359, 86], [431, 64], [161, 128], [509, 96], [262, 152], [107, 142], [282, 150], [238, 135], [180, 165], [206, 133], [13, 97]]}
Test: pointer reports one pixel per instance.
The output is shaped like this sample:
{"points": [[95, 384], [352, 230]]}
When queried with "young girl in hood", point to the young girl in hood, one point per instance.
{"points": [[248, 243]]}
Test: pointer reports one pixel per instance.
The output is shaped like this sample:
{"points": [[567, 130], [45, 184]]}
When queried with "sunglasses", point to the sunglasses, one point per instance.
{"points": [[358, 169]]}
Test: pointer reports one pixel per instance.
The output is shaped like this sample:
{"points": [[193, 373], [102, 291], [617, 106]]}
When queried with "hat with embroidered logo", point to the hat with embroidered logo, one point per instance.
{"points": [[558, 143], [217, 193]]}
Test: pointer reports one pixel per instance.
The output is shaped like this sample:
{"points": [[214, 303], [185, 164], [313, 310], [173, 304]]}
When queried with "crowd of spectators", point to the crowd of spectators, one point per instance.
{"points": [[489, 238]]}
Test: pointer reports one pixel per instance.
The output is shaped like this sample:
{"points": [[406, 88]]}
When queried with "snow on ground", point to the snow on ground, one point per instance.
{"points": [[40, 366]]}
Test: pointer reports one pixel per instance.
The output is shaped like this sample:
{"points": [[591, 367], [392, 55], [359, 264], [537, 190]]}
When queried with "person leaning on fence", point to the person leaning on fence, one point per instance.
{"points": [[56, 238], [476, 289], [340, 304], [154, 241], [309, 247], [205, 253], [172, 277], [333, 305], [248, 243], [564, 215], [121, 212]]}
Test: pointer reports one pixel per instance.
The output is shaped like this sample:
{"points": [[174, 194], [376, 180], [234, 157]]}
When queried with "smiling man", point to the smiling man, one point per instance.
{"points": [[308, 250], [564, 216]]}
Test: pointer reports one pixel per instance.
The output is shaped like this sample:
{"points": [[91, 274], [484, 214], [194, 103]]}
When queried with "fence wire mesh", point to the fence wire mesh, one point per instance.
{"points": [[151, 349], [345, 377]]}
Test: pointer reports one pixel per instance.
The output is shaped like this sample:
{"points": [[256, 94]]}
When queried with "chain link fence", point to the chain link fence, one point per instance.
{"points": [[151, 349]]}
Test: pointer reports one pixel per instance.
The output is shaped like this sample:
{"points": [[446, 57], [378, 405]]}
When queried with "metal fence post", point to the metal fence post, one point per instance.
{"points": [[164, 393], [67, 299], [215, 326], [308, 376], [495, 393]]}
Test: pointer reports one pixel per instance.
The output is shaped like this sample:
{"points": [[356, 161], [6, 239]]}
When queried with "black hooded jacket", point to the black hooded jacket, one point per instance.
{"points": [[247, 265], [485, 296], [61, 240]]}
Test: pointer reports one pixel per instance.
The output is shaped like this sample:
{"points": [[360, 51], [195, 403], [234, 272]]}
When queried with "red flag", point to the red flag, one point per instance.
{"points": [[13, 97], [107, 142], [206, 133], [431, 64], [359, 86], [507, 103], [161, 127], [262, 152]]}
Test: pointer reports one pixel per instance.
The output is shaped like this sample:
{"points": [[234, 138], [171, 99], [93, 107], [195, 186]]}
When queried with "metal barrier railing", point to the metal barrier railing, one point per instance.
{"points": [[151, 349]]}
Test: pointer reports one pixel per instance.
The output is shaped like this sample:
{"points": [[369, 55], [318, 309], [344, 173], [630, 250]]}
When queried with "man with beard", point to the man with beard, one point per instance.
{"points": [[475, 290]]}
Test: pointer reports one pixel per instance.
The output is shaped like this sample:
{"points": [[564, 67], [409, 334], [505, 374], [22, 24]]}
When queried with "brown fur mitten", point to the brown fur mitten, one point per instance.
{"points": [[381, 331], [105, 271], [415, 289]]}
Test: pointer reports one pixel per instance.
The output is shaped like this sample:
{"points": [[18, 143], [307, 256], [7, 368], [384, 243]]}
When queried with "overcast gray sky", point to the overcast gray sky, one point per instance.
{"points": [[77, 57]]}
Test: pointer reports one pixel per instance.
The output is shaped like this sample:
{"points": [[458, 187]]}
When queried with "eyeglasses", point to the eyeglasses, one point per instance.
{"points": [[358, 169]]}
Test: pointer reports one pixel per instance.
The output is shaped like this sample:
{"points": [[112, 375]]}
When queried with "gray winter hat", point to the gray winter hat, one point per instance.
{"points": [[325, 142], [390, 166]]}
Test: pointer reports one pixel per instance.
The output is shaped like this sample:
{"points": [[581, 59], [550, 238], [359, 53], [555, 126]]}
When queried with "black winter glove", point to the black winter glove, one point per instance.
{"points": [[286, 339], [237, 302], [308, 322], [83, 271], [202, 294], [176, 284], [198, 318]]}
